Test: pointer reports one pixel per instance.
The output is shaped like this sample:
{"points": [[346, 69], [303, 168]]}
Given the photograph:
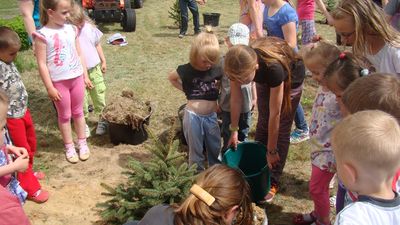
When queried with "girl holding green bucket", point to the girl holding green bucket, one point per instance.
{"points": [[279, 75]]}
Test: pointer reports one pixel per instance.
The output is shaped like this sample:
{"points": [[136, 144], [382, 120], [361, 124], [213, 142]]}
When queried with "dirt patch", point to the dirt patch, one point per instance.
{"points": [[127, 109]]}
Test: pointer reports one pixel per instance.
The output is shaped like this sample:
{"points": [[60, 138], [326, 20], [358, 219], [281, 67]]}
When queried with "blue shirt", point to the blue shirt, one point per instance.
{"points": [[273, 24], [36, 14]]}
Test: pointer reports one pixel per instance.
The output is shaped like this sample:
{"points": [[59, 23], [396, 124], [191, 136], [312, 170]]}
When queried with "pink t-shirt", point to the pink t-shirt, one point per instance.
{"points": [[245, 14], [89, 38], [11, 211], [305, 9], [62, 58]]}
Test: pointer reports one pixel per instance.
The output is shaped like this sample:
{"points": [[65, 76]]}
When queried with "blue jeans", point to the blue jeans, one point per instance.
{"points": [[299, 119], [192, 5], [244, 127]]}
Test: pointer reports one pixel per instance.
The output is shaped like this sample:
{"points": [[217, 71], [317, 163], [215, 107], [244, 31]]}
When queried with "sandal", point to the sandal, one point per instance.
{"points": [[299, 219]]}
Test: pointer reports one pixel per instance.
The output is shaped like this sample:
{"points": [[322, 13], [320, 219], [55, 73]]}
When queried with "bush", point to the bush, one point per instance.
{"points": [[17, 24]]}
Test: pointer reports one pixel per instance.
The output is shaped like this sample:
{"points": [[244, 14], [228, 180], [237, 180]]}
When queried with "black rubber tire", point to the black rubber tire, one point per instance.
{"points": [[127, 4], [129, 20], [137, 4]]}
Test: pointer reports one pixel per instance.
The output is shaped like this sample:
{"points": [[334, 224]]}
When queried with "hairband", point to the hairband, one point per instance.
{"points": [[342, 55], [364, 72], [202, 194]]}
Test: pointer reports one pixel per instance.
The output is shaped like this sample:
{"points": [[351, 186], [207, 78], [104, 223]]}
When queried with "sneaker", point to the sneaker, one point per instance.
{"points": [[39, 175], [84, 151], [101, 128], [271, 194], [70, 153], [40, 196], [181, 35], [332, 201], [87, 131], [298, 136]]}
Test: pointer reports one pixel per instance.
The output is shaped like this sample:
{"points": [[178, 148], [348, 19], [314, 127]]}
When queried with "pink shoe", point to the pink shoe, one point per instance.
{"points": [[84, 151], [40, 196], [70, 153]]}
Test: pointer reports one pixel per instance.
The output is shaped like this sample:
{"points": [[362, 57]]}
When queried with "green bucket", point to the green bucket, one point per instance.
{"points": [[250, 158]]}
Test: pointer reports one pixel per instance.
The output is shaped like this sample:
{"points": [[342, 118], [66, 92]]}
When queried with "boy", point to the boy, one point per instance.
{"points": [[366, 146], [19, 120], [238, 34]]}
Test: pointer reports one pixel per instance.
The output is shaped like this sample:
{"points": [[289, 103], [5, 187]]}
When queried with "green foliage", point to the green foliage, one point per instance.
{"points": [[330, 4], [174, 13], [161, 180], [17, 24]]}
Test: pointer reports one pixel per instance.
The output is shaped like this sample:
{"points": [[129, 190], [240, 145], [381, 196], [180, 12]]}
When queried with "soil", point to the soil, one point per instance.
{"points": [[126, 109]]}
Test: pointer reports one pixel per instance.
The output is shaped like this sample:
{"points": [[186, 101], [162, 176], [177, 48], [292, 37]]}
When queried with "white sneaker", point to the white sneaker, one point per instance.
{"points": [[101, 128], [87, 131]]}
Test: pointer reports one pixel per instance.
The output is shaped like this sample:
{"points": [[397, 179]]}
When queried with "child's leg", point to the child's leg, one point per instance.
{"points": [[77, 93], [64, 110], [212, 138], [194, 137], [184, 15], [98, 93], [319, 191], [307, 31]]}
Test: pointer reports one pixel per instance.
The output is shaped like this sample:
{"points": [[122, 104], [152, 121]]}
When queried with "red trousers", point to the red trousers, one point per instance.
{"points": [[22, 134]]}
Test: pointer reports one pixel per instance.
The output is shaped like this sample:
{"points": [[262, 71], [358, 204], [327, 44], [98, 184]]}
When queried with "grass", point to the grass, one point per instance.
{"points": [[142, 66]]}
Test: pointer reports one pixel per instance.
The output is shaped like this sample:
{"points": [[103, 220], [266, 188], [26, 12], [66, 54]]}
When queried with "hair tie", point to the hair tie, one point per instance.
{"points": [[202, 194], [364, 72], [342, 55]]}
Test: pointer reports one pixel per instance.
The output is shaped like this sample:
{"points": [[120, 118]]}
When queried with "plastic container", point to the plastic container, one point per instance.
{"points": [[250, 158], [211, 19]]}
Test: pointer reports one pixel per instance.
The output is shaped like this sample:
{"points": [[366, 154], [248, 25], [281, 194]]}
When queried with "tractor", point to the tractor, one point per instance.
{"points": [[105, 11]]}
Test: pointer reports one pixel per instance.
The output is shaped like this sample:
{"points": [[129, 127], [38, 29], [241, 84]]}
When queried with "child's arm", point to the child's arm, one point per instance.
{"points": [[254, 95], [322, 7], [236, 102], [255, 16], [40, 52], [102, 58], [85, 72], [175, 80]]}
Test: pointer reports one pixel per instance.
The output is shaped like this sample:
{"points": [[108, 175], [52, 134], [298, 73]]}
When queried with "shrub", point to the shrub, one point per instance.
{"points": [[175, 13], [17, 24]]}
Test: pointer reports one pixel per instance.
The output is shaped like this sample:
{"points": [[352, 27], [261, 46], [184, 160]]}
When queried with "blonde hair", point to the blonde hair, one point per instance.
{"points": [[368, 19], [320, 50], [273, 50], [205, 45], [229, 188], [343, 71], [77, 16], [371, 140], [46, 5], [239, 62], [376, 91], [8, 38]]}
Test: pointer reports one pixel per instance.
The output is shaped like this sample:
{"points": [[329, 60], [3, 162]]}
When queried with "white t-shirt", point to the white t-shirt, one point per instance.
{"points": [[62, 58], [369, 210], [387, 60]]}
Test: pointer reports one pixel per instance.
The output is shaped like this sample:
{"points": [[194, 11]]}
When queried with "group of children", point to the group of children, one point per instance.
{"points": [[65, 70]]}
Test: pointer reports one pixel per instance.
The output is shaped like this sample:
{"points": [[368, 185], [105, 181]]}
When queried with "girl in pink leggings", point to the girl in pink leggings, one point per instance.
{"points": [[63, 73]]}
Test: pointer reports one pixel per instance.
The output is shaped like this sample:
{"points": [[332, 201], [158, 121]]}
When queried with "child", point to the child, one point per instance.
{"points": [[325, 114], [238, 33], [362, 24], [63, 73], [19, 120], [89, 39], [251, 14], [192, 5], [198, 80], [217, 197], [366, 147], [279, 75]]}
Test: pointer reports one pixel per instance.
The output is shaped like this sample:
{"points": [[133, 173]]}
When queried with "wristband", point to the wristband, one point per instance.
{"points": [[273, 151], [233, 129]]}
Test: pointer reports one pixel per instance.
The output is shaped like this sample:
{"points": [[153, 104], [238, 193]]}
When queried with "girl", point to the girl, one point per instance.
{"points": [[325, 114], [198, 80], [63, 73], [362, 24], [89, 39], [279, 75], [251, 14], [225, 185]]}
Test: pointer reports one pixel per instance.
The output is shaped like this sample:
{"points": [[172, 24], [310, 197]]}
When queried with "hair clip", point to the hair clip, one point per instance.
{"points": [[342, 55], [202, 194], [364, 72]]}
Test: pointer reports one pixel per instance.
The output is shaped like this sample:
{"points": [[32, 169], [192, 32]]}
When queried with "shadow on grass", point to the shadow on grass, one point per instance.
{"points": [[175, 34], [276, 216], [292, 186]]}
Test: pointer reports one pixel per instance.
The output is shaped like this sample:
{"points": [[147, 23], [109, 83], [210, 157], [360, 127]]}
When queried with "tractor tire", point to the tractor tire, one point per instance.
{"points": [[127, 4], [129, 20], [137, 4]]}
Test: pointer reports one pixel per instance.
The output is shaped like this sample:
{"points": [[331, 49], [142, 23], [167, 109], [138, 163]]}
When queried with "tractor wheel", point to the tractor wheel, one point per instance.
{"points": [[137, 4], [129, 20], [127, 4]]}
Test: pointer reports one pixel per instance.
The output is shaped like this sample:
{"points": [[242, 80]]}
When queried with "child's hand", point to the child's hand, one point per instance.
{"points": [[54, 94], [103, 67], [18, 151], [233, 140], [21, 164], [88, 83]]}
